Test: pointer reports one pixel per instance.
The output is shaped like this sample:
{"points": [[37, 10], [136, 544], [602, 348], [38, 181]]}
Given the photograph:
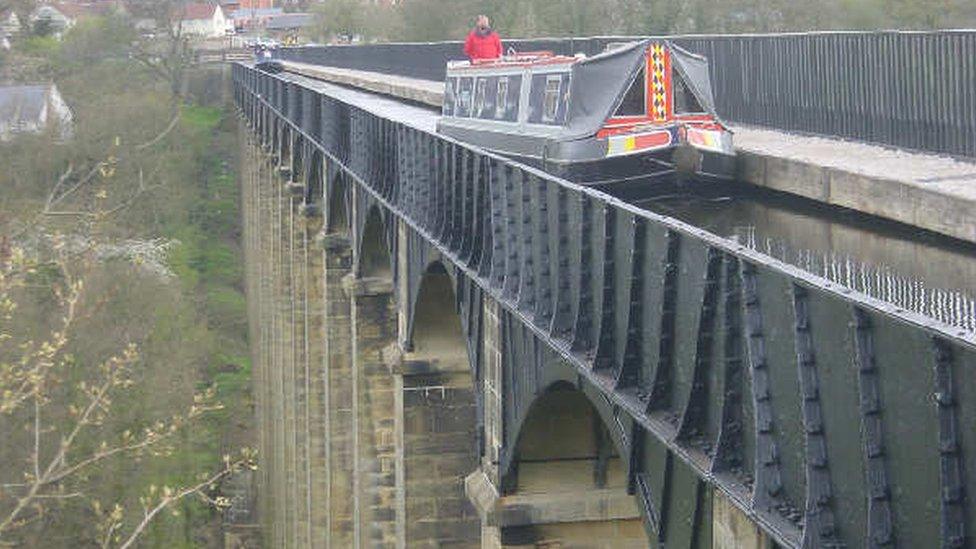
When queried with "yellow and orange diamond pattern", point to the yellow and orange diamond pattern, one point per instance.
{"points": [[658, 69]]}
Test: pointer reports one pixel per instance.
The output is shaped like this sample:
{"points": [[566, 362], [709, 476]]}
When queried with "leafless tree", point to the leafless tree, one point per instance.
{"points": [[62, 423]]}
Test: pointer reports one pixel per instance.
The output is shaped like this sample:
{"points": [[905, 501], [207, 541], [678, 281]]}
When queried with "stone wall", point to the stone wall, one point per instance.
{"points": [[341, 426]]}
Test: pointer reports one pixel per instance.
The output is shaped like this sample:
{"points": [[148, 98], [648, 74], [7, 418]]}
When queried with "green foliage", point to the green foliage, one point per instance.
{"points": [[38, 45], [207, 330], [201, 119], [427, 20], [431, 20], [94, 39], [232, 378], [342, 18], [209, 263], [191, 331], [226, 307], [181, 258]]}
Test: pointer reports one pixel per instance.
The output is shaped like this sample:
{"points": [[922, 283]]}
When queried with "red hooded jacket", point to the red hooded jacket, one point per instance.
{"points": [[488, 46]]}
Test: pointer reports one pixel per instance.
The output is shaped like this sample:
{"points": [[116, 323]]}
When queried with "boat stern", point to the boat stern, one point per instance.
{"points": [[664, 120]]}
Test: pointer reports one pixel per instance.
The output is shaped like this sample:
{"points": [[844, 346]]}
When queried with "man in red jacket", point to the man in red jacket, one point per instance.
{"points": [[482, 42]]}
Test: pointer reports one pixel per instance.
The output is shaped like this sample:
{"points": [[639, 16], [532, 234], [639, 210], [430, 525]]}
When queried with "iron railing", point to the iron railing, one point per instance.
{"points": [[827, 416], [915, 90]]}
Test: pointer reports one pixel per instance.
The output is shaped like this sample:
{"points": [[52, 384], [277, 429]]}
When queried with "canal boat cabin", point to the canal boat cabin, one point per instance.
{"points": [[635, 112]]}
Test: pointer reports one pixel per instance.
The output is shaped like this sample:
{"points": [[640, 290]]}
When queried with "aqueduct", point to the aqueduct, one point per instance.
{"points": [[455, 350]]}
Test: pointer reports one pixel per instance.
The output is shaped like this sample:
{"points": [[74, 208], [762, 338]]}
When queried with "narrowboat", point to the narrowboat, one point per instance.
{"points": [[636, 111]]}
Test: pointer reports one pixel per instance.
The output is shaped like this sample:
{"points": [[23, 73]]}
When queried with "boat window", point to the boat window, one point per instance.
{"points": [[513, 98], [501, 98], [685, 101], [633, 103], [551, 104], [463, 107], [448, 107], [479, 97]]}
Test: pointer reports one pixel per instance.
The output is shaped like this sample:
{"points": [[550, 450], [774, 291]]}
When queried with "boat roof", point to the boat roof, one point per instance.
{"points": [[598, 83], [514, 60]]}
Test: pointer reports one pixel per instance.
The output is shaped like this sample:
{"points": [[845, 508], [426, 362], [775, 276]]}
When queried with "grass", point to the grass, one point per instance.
{"points": [[40, 46], [201, 118]]}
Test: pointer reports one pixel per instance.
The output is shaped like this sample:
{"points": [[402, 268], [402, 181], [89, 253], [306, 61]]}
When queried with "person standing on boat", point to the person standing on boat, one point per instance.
{"points": [[483, 42]]}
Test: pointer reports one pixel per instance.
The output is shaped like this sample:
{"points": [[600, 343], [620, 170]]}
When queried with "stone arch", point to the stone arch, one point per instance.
{"points": [[374, 258], [440, 404], [283, 156], [436, 327], [337, 204], [563, 433], [300, 152], [564, 452], [315, 181]]}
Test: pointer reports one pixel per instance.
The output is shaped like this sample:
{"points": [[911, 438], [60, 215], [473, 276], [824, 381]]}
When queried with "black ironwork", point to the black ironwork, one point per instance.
{"points": [[950, 461], [907, 89], [880, 530], [768, 366]]}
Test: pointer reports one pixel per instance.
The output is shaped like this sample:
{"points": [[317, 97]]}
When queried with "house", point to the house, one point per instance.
{"points": [[61, 16], [9, 27], [254, 18], [288, 24], [204, 20], [9, 23], [33, 109], [145, 25], [55, 18], [230, 6]]}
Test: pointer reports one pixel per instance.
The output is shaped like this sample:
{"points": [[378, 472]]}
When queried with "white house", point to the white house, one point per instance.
{"points": [[58, 17], [253, 18], [9, 23], [205, 20], [33, 109], [61, 16]]}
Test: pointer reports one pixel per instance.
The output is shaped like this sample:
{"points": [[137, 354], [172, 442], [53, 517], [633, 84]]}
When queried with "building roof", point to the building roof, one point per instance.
{"points": [[287, 21], [198, 11], [29, 108], [22, 103], [74, 10], [248, 13]]}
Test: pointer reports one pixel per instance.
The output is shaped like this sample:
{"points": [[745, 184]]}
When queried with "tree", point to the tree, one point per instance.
{"points": [[423, 20], [85, 313], [340, 18], [62, 400], [169, 55]]}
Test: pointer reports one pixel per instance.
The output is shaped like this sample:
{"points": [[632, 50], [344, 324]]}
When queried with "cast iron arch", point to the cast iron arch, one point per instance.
{"points": [[337, 219], [591, 435], [436, 324], [283, 151], [374, 259], [315, 182]]}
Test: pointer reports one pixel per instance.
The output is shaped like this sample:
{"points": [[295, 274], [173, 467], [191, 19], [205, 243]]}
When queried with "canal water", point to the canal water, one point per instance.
{"points": [[908, 267]]}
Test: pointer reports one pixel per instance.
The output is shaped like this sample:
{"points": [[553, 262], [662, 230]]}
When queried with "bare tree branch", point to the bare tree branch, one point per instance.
{"points": [[162, 135], [168, 500], [57, 186]]}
